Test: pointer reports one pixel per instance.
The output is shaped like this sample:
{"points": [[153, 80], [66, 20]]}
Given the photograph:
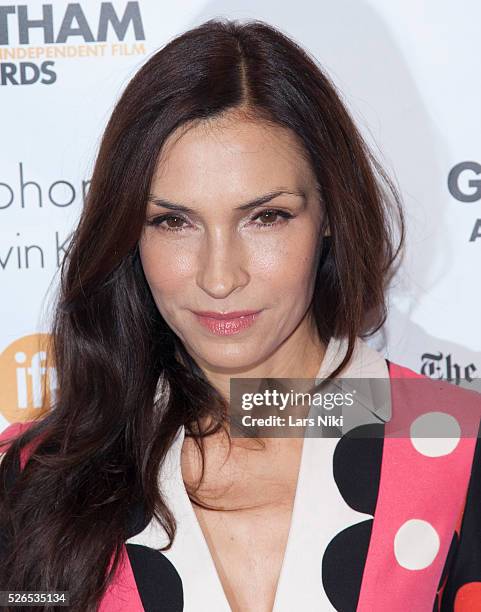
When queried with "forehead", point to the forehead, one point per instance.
{"points": [[232, 156]]}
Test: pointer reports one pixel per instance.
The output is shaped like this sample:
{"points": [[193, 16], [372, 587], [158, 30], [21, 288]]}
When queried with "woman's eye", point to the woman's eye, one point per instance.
{"points": [[173, 223], [269, 217]]}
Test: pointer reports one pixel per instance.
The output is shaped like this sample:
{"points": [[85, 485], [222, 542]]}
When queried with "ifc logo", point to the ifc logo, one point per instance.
{"points": [[27, 382]]}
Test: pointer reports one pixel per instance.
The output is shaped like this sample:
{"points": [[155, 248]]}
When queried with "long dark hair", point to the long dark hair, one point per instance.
{"points": [[125, 381]]}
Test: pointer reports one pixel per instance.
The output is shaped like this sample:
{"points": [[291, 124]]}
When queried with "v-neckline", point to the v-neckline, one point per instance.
{"points": [[203, 540], [331, 356]]}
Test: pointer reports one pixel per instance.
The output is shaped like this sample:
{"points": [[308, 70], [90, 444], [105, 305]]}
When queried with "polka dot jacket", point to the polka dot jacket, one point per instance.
{"points": [[384, 517]]}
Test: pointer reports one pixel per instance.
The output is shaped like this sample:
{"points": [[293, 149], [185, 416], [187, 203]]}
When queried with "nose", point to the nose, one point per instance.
{"points": [[221, 268]]}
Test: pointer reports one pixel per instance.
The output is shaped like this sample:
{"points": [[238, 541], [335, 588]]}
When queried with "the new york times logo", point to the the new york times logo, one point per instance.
{"points": [[50, 35], [464, 184], [442, 366]]}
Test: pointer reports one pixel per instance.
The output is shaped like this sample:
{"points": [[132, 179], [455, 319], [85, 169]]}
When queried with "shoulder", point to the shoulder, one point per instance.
{"points": [[14, 430], [437, 394], [9, 435]]}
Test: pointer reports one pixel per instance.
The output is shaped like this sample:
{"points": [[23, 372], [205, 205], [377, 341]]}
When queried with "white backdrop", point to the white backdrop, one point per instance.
{"points": [[409, 72]]}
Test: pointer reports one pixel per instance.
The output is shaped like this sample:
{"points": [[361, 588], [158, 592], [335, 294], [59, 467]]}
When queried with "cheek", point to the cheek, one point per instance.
{"points": [[166, 267], [287, 259]]}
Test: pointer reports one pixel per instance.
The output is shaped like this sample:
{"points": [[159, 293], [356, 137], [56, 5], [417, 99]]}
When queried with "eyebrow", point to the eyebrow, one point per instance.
{"points": [[267, 197]]}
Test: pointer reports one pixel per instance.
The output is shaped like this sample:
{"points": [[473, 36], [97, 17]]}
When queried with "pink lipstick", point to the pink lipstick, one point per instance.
{"points": [[229, 323]]}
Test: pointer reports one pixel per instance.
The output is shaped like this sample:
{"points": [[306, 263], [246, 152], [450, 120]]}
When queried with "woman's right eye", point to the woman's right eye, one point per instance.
{"points": [[158, 221]]}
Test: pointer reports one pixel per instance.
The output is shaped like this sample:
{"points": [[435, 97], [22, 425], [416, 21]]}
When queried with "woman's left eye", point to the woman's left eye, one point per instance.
{"points": [[270, 214]]}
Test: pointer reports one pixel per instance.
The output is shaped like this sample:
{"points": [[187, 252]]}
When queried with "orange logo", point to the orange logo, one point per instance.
{"points": [[27, 383]]}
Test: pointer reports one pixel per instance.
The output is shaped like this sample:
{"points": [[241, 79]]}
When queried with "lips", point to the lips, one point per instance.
{"points": [[229, 323], [226, 316]]}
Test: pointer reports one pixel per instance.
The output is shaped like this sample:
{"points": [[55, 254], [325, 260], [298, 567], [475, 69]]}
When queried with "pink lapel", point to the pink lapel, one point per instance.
{"points": [[420, 497]]}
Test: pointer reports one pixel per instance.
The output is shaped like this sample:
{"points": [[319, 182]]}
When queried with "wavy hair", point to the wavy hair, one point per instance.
{"points": [[126, 384]]}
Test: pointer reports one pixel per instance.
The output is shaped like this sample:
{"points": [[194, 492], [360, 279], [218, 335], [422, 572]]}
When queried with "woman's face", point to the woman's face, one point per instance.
{"points": [[204, 249]]}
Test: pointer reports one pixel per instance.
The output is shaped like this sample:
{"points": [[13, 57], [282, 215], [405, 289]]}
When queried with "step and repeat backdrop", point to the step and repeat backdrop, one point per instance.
{"points": [[408, 72]]}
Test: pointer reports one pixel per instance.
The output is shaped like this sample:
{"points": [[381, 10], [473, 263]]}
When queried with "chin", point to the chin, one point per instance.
{"points": [[231, 356]]}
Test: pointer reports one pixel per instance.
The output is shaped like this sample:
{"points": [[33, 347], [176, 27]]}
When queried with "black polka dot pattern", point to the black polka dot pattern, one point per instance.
{"points": [[357, 471], [158, 582], [343, 564]]}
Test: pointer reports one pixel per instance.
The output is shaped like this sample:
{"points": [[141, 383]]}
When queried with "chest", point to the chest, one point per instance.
{"points": [[247, 549], [247, 543]]}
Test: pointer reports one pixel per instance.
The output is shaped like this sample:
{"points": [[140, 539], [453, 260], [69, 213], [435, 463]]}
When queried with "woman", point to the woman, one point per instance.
{"points": [[236, 226]]}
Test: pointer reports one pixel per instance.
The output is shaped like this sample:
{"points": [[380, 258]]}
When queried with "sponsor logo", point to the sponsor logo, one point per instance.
{"points": [[30, 250], [443, 366], [27, 381], [464, 184], [31, 39]]}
